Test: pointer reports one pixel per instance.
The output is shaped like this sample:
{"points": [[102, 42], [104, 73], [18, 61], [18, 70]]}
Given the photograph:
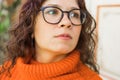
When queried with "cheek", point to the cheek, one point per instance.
{"points": [[40, 28], [42, 32], [77, 32]]}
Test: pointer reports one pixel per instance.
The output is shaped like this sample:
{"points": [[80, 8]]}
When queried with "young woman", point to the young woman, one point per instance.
{"points": [[51, 40]]}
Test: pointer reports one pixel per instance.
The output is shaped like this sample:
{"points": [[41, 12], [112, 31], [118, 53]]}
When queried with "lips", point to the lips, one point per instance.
{"points": [[64, 36]]}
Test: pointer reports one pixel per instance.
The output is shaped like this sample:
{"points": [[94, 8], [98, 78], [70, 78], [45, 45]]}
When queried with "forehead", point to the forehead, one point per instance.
{"points": [[64, 4]]}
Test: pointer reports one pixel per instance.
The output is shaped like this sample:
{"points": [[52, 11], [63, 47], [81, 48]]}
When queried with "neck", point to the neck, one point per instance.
{"points": [[44, 56]]}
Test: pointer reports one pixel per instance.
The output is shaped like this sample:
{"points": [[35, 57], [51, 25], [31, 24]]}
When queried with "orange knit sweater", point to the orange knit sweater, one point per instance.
{"points": [[69, 68]]}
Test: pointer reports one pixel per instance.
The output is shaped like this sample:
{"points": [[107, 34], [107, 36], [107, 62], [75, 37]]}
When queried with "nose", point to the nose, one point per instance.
{"points": [[65, 22]]}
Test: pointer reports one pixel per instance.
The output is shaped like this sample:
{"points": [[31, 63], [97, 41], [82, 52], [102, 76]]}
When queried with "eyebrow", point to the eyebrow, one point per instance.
{"points": [[55, 5]]}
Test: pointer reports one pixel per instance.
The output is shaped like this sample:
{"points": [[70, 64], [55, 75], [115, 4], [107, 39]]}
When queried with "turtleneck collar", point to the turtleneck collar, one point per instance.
{"points": [[37, 71]]}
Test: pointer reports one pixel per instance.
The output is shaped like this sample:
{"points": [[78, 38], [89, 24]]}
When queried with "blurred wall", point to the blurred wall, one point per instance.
{"points": [[107, 15]]}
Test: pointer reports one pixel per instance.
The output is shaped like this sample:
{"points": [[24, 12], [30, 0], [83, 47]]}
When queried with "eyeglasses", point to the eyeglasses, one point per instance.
{"points": [[54, 15]]}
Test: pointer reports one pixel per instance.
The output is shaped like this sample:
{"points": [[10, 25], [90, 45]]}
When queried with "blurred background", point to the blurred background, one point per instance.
{"points": [[107, 15], [7, 9]]}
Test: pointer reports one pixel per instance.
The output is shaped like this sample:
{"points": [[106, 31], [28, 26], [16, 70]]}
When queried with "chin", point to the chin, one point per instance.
{"points": [[64, 50]]}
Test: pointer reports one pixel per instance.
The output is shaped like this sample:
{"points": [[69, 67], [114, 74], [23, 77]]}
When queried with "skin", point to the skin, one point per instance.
{"points": [[48, 47]]}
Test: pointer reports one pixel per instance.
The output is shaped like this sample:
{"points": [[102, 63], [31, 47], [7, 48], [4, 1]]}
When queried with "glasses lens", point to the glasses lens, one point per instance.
{"points": [[74, 16], [77, 17], [52, 15]]}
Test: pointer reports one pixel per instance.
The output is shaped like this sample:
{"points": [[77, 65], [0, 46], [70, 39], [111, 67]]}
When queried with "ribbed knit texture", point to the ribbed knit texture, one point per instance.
{"points": [[69, 68]]}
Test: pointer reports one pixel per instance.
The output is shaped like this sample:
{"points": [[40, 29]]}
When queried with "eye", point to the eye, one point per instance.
{"points": [[51, 11], [75, 15]]}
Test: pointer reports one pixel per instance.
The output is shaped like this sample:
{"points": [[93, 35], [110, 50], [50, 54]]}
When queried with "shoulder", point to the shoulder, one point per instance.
{"points": [[4, 70], [88, 74], [1, 74]]}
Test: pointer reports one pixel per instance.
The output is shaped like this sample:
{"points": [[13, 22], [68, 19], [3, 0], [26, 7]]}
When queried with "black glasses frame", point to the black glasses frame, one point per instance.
{"points": [[83, 14]]}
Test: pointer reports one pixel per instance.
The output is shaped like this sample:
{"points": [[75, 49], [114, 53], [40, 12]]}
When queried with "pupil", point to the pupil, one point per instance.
{"points": [[52, 12], [74, 15]]}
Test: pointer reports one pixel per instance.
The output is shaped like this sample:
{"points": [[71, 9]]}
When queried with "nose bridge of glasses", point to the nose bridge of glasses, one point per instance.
{"points": [[66, 15], [67, 12]]}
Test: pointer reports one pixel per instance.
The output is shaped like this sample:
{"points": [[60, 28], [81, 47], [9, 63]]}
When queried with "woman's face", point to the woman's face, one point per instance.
{"points": [[59, 38]]}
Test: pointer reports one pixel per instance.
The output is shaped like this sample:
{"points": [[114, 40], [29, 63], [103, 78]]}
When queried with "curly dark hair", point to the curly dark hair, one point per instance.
{"points": [[22, 45]]}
